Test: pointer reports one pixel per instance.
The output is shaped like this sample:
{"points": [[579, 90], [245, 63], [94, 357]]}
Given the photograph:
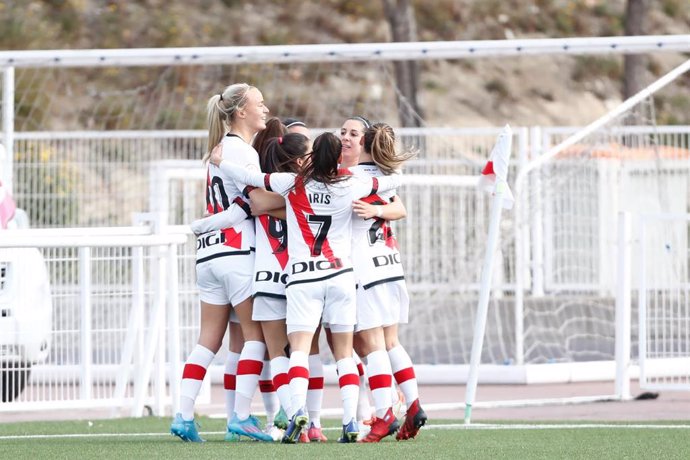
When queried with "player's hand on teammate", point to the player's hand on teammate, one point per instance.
{"points": [[216, 155], [364, 209]]}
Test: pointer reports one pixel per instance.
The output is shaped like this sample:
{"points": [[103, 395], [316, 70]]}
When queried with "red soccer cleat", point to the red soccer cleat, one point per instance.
{"points": [[315, 434], [382, 427], [414, 420], [303, 438]]}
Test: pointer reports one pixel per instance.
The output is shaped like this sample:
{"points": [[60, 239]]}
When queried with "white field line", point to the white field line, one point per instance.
{"points": [[448, 426]]}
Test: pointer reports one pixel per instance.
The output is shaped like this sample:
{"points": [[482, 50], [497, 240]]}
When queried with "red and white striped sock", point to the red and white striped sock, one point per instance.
{"points": [[380, 379], [248, 372], [230, 382], [404, 375], [349, 387], [268, 393], [192, 377], [281, 382], [315, 389], [299, 381], [363, 406]]}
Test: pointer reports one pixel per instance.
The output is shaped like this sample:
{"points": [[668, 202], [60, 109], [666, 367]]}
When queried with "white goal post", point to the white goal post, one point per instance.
{"points": [[129, 147]]}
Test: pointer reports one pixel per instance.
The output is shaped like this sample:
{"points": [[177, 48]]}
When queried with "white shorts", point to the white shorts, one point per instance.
{"points": [[382, 305], [332, 301], [269, 308], [226, 280]]}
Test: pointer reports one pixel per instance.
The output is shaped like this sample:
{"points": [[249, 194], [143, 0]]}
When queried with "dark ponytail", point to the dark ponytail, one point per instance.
{"points": [[325, 156], [281, 153]]}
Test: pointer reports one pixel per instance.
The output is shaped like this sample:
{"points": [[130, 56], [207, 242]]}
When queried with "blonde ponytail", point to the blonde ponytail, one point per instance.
{"points": [[220, 111]]}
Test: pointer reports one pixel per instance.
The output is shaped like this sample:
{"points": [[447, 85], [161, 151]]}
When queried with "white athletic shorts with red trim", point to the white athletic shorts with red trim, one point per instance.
{"points": [[227, 279], [332, 301], [269, 308], [383, 305]]}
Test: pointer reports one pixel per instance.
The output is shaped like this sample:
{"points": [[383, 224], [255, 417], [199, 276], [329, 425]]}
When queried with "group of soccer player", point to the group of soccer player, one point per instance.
{"points": [[296, 238]]}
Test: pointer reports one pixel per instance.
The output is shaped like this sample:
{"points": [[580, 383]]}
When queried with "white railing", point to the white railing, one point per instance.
{"points": [[144, 270], [664, 301]]}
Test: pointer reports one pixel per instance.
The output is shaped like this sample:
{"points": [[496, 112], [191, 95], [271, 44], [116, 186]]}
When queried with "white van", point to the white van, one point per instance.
{"points": [[26, 312]]}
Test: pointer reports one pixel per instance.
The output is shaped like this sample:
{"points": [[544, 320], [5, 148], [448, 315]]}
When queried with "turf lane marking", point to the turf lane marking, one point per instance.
{"points": [[557, 426], [448, 426]]}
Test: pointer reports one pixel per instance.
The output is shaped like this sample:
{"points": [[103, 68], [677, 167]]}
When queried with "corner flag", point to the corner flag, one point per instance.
{"points": [[495, 172]]}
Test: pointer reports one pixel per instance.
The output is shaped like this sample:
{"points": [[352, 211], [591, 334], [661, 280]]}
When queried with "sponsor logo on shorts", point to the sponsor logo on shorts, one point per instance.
{"points": [[391, 259], [209, 240], [312, 266], [276, 277]]}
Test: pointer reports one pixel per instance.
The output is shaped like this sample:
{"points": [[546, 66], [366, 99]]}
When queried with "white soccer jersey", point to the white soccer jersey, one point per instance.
{"points": [[220, 193], [319, 218], [375, 255], [271, 257]]}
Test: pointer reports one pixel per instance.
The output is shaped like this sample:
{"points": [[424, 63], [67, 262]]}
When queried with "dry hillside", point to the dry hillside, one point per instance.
{"points": [[524, 91]]}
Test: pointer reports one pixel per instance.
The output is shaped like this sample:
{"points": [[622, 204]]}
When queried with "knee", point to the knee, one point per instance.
{"points": [[212, 343], [365, 344], [252, 332], [391, 342]]}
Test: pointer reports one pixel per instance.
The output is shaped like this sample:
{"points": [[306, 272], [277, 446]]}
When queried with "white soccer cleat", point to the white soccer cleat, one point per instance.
{"points": [[274, 432], [364, 428]]}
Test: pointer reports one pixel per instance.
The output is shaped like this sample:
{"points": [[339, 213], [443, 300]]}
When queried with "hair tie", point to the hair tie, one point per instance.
{"points": [[280, 140], [362, 120]]}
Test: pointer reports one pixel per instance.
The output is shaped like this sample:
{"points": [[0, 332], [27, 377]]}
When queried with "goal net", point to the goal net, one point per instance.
{"points": [[569, 266]]}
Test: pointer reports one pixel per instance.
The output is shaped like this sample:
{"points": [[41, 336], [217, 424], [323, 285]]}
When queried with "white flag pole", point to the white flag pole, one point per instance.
{"points": [[501, 191]]}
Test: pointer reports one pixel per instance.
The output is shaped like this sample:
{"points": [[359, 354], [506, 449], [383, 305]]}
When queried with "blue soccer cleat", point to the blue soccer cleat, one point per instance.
{"points": [[299, 421], [350, 432], [186, 430], [230, 436], [248, 427]]}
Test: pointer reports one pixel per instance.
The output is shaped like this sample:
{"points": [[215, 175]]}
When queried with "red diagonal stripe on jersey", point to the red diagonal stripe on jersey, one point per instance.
{"points": [[209, 190], [386, 229], [232, 238], [300, 204], [391, 241], [278, 250]]}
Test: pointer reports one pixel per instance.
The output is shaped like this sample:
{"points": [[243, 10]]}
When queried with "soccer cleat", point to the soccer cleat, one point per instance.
{"points": [[281, 420], [230, 436], [303, 438], [382, 427], [315, 434], [274, 432], [186, 430], [414, 420], [350, 432], [365, 427], [292, 433], [248, 427]]}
